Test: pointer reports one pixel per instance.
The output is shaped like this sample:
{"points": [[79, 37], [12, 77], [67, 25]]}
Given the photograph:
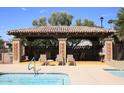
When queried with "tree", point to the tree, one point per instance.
{"points": [[56, 19], [87, 22], [40, 22], [119, 24], [35, 23], [1, 43], [45, 42], [60, 19], [78, 22], [119, 36]]}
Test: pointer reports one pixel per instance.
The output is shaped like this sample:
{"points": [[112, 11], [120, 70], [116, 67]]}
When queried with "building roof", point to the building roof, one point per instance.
{"points": [[59, 29]]}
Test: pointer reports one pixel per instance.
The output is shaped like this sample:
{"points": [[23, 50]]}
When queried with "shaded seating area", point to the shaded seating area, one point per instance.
{"points": [[62, 34], [71, 60]]}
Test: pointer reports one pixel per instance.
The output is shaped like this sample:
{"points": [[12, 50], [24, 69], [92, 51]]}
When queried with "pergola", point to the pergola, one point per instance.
{"points": [[61, 33]]}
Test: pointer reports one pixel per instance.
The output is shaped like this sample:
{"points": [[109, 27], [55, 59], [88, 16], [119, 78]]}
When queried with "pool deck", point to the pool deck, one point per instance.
{"points": [[82, 74]]}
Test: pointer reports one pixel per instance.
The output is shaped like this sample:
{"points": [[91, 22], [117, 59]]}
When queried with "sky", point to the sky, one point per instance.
{"points": [[21, 17]]}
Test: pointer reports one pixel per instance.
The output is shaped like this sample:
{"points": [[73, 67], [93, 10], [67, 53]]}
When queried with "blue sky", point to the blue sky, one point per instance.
{"points": [[20, 17]]}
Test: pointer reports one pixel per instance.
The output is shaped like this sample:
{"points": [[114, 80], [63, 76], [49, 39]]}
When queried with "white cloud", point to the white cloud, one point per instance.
{"points": [[24, 9]]}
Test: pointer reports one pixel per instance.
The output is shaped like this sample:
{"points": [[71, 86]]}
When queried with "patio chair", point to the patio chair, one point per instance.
{"points": [[71, 60], [60, 59], [43, 59]]}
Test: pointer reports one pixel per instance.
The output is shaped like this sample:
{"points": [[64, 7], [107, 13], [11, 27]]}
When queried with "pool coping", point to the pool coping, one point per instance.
{"points": [[84, 74]]}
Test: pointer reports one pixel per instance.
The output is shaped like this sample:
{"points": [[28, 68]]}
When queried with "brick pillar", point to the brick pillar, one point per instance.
{"points": [[16, 49], [62, 47], [108, 49]]}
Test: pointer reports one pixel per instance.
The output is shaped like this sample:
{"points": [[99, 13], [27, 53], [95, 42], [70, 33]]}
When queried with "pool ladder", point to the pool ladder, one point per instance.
{"points": [[30, 67]]}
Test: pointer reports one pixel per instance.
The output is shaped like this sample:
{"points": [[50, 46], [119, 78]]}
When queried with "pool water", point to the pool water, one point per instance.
{"points": [[32, 79], [119, 73]]}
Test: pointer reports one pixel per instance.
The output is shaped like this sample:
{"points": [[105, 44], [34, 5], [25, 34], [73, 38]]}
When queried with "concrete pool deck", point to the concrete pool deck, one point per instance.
{"points": [[80, 74]]}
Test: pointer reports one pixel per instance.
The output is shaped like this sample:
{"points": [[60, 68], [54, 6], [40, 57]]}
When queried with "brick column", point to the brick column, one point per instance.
{"points": [[108, 49], [62, 47], [16, 49]]}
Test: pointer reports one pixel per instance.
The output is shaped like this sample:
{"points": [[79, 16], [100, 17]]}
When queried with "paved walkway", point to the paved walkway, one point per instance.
{"points": [[80, 74]]}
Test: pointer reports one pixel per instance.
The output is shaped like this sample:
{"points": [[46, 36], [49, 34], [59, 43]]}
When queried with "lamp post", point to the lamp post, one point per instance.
{"points": [[101, 19]]}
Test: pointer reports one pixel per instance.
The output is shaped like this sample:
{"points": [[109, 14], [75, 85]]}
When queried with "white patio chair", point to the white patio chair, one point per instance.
{"points": [[43, 59], [71, 60], [59, 59]]}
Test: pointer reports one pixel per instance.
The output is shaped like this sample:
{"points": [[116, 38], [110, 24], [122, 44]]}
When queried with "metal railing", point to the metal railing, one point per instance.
{"points": [[30, 66]]}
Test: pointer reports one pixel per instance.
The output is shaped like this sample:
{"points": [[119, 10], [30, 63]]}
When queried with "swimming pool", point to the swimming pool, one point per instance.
{"points": [[32, 79], [116, 72]]}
